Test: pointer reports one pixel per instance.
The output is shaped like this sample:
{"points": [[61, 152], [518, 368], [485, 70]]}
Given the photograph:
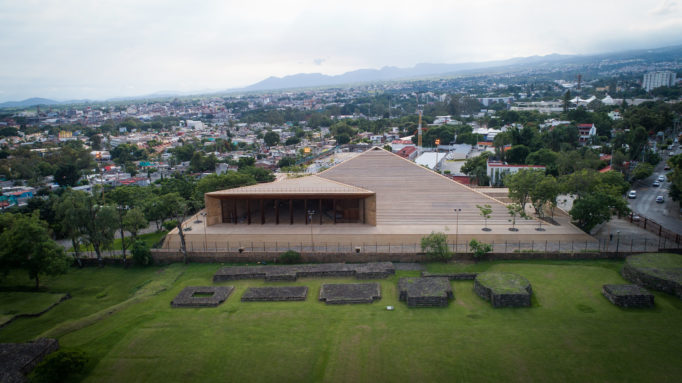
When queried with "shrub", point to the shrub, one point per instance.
{"points": [[290, 257], [435, 246], [57, 366], [479, 248], [141, 253], [170, 225]]}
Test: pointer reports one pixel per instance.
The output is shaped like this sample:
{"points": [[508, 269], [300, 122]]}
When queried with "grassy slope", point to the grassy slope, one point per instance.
{"points": [[18, 303], [571, 333]]}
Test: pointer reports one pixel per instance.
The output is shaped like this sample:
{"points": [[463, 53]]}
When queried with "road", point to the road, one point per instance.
{"points": [[667, 213]]}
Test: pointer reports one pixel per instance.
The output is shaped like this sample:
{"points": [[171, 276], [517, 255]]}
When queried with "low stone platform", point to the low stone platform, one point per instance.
{"points": [[275, 294], [628, 295], [425, 292], [451, 276], [350, 293], [18, 359], [503, 289], [374, 270], [660, 272], [202, 296]]}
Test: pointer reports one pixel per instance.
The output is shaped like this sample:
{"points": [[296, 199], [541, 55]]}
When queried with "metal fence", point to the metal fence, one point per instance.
{"points": [[614, 245], [656, 228]]}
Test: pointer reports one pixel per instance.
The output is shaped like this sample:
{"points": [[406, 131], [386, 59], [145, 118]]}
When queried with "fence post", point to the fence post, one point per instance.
{"points": [[493, 246], [560, 246], [586, 246], [631, 239]]}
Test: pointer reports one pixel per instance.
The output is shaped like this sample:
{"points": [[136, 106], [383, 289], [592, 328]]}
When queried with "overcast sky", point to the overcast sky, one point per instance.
{"points": [[71, 49]]}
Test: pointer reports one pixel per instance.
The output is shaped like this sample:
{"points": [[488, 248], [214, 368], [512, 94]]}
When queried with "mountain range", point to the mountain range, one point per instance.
{"points": [[424, 70]]}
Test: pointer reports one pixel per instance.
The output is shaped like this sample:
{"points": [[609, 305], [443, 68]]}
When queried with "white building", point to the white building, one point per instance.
{"points": [[497, 170], [654, 80]]}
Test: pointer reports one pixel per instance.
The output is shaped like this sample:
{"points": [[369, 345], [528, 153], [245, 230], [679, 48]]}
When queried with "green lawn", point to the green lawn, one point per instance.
{"points": [[22, 303], [123, 320], [150, 239]]}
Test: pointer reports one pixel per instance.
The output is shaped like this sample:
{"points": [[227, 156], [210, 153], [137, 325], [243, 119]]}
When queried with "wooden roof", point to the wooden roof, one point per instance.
{"points": [[295, 187]]}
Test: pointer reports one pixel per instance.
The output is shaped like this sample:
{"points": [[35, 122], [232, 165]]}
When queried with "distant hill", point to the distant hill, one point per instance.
{"points": [[303, 80], [28, 102]]}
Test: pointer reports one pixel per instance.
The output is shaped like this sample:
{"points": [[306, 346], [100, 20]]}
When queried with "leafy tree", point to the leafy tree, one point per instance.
{"points": [[515, 210], [517, 154], [245, 162], [98, 224], [435, 246], [476, 168], [134, 221], [71, 211], [286, 162], [125, 198], [259, 174], [342, 139], [177, 210], [545, 192], [66, 175], [543, 157], [479, 249], [675, 177], [224, 181], [642, 171], [485, 210], [521, 185], [595, 208], [292, 141], [271, 138], [290, 257], [26, 244], [141, 253]]}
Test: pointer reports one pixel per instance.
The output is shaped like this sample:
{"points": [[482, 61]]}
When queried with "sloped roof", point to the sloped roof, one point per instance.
{"points": [[302, 186], [408, 193]]}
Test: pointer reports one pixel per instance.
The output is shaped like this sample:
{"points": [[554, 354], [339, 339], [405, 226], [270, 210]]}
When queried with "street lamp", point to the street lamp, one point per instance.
{"points": [[311, 213], [617, 241], [457, 210], [204, 214]]}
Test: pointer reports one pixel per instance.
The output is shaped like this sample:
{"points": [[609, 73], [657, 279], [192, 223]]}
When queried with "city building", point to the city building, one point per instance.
{"points": [[653, 80]]}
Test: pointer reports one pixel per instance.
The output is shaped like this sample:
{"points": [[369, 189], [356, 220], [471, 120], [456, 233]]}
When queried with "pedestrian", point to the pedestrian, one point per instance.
{"points": [[610, 236]]}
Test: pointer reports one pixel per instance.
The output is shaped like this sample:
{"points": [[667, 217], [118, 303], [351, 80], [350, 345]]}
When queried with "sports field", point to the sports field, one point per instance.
{"points": [[123, 321]]}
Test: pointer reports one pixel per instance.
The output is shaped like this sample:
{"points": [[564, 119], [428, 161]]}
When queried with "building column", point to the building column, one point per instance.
{"points": [[234, 211], [291, 212], [276, 212], [305, 210], [334, 209], [262, 211], [248, 211], [320, 211]]}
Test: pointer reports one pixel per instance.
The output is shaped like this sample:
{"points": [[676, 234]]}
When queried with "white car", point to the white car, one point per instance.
{"points": [[659, 199], [632, 194], [661, 178]]}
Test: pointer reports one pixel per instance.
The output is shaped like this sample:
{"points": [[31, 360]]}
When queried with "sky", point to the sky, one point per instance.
{"points": [[78, 49]]}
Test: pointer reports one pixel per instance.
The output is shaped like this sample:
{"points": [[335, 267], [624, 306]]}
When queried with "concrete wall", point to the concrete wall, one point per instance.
{"points": [[214, 211]]}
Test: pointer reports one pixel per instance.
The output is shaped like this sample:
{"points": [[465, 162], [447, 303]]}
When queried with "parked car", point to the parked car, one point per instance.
{"points": [[636, 218], [632, 194], [656, 184], [667, 167], [659, 199], [661, 178]]}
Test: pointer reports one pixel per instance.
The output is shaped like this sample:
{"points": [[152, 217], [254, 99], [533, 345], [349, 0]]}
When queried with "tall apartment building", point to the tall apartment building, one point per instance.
{"points": [[656, 79]]}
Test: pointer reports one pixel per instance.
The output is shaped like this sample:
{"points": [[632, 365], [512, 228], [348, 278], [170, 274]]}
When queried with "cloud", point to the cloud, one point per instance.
{"points": [[665, 8], [318, 61]]}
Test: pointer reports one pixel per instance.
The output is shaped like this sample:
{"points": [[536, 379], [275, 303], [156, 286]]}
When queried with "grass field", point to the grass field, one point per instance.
{"points": [[24, 303], [123, 320]]}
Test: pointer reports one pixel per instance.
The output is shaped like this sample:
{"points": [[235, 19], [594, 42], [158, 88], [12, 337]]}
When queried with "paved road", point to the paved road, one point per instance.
{"points": [[667, 213]]}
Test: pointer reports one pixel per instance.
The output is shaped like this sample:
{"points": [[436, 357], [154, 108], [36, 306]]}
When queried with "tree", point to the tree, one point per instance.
{"points": [[271, 138], [675, 177], [292, 141], [66, 175], [485, 210], [342, 139], [522, 183], [99, 225], [134, 221], [71, 211], [125, 198], [546, 191], [476, 168], [26, 244], [595, 208], [435, 246], [515, 210], [479, 249], [517, 154], [642, 171], [177, 210]]}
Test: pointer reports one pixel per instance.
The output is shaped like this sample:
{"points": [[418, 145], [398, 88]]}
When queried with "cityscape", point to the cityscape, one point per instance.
{"points": [[512, 214]]}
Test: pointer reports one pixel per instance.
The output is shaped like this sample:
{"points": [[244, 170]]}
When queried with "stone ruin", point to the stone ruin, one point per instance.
{"points": [[273, 273], [17, 360], [628, 295], [451, 276], [425, 292], [503, 289], [202, 296], [350, 293], [275, 294]]}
